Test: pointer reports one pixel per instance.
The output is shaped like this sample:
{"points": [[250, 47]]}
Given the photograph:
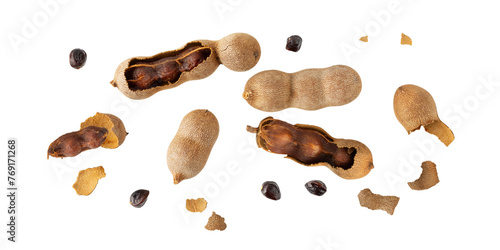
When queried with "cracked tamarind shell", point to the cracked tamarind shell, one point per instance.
{"points": [[188, 152], [113, 124], [414, 107], [362, 162], [238, 52]]}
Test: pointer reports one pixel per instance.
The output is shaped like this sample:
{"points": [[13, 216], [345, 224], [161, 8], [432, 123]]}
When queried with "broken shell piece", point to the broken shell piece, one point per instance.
{"points": [[113, 124], [364, 39], [415, 107], [216, 222], [87, 180], [377, 202], [405, 40], [427, 179], [197, 205]]}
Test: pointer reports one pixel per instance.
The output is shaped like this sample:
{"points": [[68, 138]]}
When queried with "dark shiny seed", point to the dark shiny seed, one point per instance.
{"points": [[139, 198], [293, 43], [77, 58], [271, 190], [316, 187]]}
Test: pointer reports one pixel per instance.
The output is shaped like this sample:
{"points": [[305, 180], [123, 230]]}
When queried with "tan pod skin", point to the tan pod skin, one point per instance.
{"points": [[414, 107], [428, 178], [312, 146], [189, 150], [309, 89], [377, 202], [113, 124], [238, 52]]}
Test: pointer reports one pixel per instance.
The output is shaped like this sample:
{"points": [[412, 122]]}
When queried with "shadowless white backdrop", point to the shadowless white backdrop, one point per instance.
{"points": [[454, 56]]}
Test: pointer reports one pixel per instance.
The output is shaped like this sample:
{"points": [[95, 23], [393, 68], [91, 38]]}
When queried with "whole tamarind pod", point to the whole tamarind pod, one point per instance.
{"points": [[72, 144], [143, 76], [189, 150], [414, 107], [309, 89], [312, 146]]}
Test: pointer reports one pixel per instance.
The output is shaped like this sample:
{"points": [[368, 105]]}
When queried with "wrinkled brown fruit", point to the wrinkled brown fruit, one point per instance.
{"points": [[428, 178], [312, 146], [72, 144], [377, 202], [144, 74]]}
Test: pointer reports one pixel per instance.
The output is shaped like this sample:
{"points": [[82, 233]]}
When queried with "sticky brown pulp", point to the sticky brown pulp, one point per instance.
{"points": [[165, 69], [304, 145]]}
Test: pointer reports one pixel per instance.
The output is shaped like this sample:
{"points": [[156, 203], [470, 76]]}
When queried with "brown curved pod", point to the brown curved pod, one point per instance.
{"points": [[414, 107], [143, 76], [189, 150], [113, 124], [309, 89], [312, 146]]}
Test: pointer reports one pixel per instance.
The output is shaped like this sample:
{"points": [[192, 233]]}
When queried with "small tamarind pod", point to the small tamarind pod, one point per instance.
{"points": [[309, 89], [414, 107], [312, 146], [143, 76], [72, 144], [189, 150]]}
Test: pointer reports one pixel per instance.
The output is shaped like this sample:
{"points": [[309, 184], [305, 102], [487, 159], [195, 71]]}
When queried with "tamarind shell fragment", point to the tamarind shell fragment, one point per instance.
{"points": [[428, 178], [113, 124], [312, 146], [414, 107], [377, 202]]}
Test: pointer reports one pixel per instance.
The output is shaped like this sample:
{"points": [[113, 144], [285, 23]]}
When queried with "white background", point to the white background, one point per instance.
{"points": [[454, 56]]}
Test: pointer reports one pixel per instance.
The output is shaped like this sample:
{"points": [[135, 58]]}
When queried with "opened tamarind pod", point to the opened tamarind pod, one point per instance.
{"points": [[143, 76], [312, 146]]}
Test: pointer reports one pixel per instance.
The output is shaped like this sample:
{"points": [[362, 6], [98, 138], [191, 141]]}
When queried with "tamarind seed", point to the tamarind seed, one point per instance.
{"points": [[139, 198], [192, 60], [293, 43], [271, 190], [77, 58], [316, 187]]}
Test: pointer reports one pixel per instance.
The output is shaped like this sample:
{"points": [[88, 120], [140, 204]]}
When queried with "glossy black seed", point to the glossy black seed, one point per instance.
{"points": [[293, 43], [139, 198], [77, 58], [316, 187], [271, 190]]}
